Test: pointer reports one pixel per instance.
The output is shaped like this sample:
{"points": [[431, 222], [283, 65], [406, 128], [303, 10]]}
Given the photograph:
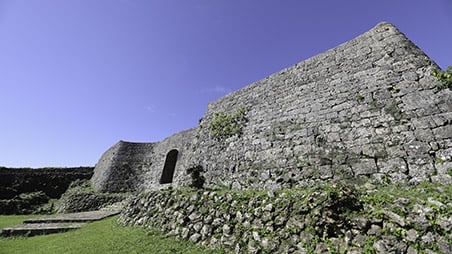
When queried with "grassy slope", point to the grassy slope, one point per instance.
{"points": [[98, 237]]}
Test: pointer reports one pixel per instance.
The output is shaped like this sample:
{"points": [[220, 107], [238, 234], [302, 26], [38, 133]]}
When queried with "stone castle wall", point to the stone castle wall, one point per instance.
{"points": [[183, 143], [129, 166], [121, 167], [367, 108]]}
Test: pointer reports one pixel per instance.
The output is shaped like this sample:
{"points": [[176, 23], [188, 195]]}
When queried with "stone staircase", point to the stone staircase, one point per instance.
{"points": [[57, 223]]}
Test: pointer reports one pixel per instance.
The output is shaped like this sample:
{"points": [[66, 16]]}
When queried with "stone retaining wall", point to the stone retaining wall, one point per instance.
{"points": [[25, 190], [327, 219], [52, 181]]}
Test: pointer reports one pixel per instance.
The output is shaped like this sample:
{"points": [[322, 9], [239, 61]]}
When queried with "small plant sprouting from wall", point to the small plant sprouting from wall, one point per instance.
{"points": [[225, 125], [444, 76]]}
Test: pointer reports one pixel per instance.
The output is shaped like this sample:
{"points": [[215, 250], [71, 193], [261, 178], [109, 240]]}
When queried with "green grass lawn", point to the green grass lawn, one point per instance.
{"points": [[105, 236]]}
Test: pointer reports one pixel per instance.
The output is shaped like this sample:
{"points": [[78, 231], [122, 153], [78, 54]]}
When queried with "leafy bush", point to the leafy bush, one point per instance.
{"points": [[444, 76], [225, 125]]}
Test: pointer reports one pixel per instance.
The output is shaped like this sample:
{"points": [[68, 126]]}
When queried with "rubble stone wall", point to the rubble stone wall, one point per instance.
{"points": [[27, 190], [335, 219]]}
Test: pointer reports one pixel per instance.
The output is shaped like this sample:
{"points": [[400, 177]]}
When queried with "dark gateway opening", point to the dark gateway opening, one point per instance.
{"points": [[168, 168]]}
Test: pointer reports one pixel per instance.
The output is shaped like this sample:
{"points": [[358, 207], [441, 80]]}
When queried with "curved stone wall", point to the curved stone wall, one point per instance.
{"points": [[367, 108], [120, 167], [129, 166]]}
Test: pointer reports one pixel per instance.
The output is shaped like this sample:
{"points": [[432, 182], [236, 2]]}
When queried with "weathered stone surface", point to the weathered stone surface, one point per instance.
{"points": [[130, 166], [368, 108], [300, 220], [195, 237], [120, 166], [39, 229]]}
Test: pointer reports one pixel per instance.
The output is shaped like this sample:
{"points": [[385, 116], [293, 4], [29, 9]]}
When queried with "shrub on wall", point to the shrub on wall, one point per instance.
{"points": [[444, 76], [225, 125]]}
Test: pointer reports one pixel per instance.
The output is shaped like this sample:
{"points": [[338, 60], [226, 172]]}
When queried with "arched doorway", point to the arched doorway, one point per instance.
{"points": [[168, 168]]}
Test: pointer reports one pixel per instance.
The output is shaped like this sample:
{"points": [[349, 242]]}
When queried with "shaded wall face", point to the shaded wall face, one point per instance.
{"points": [[169, 161], [52, 181], [129, 166], [120, 168], [26, 190], [368, 108]]}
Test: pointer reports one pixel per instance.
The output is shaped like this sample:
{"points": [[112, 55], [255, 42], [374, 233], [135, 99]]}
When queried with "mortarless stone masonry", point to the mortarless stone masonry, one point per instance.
{"points": [[368, 108]]}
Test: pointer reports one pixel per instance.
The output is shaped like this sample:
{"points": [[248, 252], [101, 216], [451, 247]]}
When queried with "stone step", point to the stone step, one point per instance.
{"points": [[39, 229], [73, 217], [56, 223]]}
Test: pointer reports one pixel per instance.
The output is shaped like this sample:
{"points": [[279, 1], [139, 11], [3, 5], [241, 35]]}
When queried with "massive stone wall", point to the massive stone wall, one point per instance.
{"points": [[367, 108]]}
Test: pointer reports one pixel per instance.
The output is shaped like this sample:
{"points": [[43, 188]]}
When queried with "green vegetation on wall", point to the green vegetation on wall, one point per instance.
{"points": [[444, 76], [81, 196], [322, 218], [225, 125]]}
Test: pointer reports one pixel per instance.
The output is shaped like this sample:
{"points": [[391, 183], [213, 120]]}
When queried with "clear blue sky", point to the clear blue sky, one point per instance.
{"points": [[76, 76]]}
